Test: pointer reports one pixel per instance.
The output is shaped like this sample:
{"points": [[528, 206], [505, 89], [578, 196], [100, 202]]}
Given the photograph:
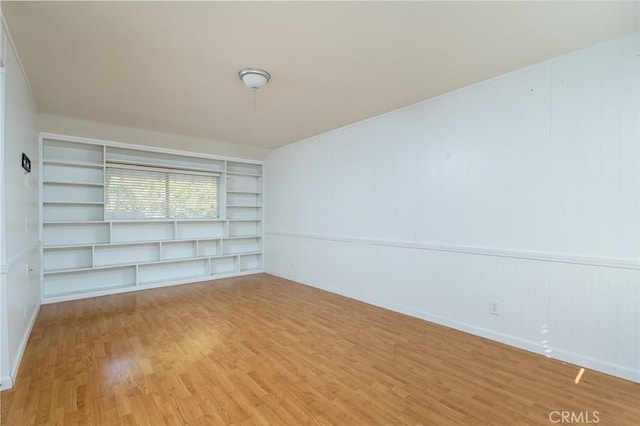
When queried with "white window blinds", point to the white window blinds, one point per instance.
{"points": [[138, 192]]}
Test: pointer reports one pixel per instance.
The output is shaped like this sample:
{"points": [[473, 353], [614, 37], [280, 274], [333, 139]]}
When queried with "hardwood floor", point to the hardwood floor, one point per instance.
{"points": [[263, 350]]}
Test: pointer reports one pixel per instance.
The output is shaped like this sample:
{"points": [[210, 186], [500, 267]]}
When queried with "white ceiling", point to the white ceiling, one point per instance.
{"points": [[172, 66]]}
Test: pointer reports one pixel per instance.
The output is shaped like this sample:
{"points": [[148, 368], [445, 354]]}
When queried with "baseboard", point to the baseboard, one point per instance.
{"points": [[97, 293], [23, 346], [6, 383], [597, 365], [527, 345]]}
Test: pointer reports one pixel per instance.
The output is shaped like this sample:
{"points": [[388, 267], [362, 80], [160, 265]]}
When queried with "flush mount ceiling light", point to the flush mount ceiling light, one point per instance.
{"points": [[254, 77]]}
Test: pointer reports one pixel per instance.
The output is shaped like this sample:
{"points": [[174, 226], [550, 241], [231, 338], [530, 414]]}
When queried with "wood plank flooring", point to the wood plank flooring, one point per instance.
{"points": [[263, 350]]}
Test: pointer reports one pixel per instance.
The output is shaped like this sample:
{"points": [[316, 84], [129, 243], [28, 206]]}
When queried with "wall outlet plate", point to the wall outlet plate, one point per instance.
{"points": [[494, 307]]}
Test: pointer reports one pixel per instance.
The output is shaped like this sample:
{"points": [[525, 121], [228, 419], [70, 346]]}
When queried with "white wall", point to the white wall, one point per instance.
{"points": [[90, 129], [20, 291], [524, 189]]}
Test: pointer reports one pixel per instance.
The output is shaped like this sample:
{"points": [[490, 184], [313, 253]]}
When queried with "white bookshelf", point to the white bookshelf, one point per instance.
{"points": [[85, 255]]}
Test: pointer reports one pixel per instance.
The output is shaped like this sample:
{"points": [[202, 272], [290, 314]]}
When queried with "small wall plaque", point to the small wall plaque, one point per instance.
{"points": [[26, 163]]}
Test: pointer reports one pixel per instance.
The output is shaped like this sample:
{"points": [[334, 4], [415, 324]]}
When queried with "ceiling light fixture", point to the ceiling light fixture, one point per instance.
{"points": [[254, 78]]}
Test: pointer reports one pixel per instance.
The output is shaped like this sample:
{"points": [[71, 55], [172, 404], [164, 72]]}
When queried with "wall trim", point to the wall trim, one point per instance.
{"points": [[6, 383], [4, 268], [604, 262], [527, 345], [15, 368]]}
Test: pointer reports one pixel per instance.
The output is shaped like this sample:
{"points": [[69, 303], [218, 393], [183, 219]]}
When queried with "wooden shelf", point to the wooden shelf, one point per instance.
{"points": [[65, 246], [251, 270], [243, 174], [62, 182], [95, 290], [150, 220], [243, 192], [79, 203], [155, 164], [74, 163], [160, 220], [73, 222], [88, 268], [86, 253]]}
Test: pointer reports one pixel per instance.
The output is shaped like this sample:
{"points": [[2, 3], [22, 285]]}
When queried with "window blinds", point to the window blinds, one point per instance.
{"points": [[140, 192]]}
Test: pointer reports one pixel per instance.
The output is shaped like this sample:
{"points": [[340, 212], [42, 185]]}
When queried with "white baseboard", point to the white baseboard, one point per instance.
{"points": [[23, 346], [527, 345], [66, 298], [6, 383]]}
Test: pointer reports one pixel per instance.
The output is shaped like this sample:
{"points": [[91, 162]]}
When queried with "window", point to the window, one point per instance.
{"points": [[140, 192]]}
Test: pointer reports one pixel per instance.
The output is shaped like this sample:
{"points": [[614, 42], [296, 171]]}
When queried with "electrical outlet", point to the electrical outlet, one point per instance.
{"points": [[28, 269], [494, 307], [25, 311]]}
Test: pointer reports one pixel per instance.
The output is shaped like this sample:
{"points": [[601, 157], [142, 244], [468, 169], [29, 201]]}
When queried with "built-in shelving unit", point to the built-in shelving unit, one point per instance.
{"points": [[84, 254]]}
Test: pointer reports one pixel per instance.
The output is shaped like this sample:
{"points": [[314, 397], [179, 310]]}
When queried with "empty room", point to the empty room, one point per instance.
{"points": [[324, 213]]}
